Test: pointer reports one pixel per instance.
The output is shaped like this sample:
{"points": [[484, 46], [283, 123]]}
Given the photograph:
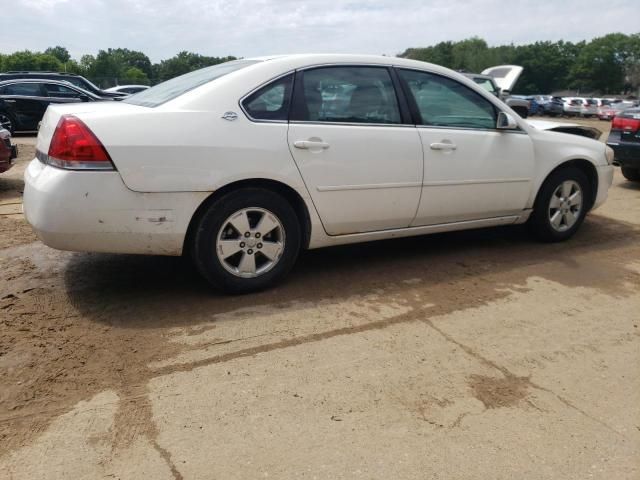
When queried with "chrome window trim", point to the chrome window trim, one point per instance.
{"points": [[519, 131], [351, 124], [356, 124]]}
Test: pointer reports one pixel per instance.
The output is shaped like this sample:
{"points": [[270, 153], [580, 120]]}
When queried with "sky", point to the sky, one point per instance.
{"points": [[162, 28]]}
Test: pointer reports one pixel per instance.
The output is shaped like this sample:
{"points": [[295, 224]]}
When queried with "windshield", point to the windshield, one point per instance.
{"points": [[175, 87], [81, 82], [487, 84]]}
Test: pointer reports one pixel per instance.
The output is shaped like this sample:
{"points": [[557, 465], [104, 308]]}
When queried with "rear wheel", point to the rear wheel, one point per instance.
{"points": [[632, 174], [7, 122], [561, 205], [247, 240]]}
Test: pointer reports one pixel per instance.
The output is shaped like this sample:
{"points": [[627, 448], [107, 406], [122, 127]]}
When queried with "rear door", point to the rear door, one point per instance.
{"points": [[361, 163], [60, 94], [28, 102]]}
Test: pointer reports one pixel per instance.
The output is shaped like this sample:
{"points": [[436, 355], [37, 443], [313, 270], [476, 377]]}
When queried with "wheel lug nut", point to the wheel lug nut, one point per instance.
{"points": [[242, 244], [247, 234], [249, 251], [259, 245], [257, 234]]}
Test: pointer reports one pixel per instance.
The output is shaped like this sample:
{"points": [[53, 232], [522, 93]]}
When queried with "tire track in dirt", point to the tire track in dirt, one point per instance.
{"points": [[72, 325]]}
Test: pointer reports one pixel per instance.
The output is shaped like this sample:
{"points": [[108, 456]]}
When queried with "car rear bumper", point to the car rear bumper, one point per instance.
{"points": [[627, 154], [96, 212]]}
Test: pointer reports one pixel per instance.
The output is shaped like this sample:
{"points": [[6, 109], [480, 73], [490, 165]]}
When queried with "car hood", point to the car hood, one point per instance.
{"points": [[505, 76], [566, 127]]}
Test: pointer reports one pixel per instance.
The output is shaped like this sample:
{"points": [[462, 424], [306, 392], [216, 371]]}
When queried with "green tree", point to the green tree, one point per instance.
{"points": [[604, 63], [27, 60], [185, 62], [134, 75], [61, 53]]}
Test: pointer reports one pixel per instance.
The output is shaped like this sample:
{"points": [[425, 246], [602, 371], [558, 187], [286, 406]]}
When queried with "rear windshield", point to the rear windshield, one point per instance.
{"points": [[165, 91]]}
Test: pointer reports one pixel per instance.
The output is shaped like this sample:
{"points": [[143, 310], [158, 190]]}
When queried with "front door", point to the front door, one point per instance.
{"points": [[472, 170], [361, 164]]}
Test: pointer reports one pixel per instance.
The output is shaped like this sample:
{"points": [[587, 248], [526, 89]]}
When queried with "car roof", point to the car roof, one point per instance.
{"points": [[31, 72], [304, 59], [38, 80], [63, 83]]}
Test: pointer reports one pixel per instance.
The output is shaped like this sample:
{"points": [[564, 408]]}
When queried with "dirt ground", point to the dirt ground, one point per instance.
{"points": [[471, 355]]}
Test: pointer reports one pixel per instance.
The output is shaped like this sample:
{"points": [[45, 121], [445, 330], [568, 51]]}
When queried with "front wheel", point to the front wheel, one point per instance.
{"points": [[632, 174], [247, 240], [561, 205]]}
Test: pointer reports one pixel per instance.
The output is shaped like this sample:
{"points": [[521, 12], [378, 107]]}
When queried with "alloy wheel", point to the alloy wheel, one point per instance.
{"points": [[565, 205], [250, 242], [5, 122]]}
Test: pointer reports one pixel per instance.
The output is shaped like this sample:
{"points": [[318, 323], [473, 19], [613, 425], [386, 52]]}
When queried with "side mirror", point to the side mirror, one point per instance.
{"points": [[506, 122]]}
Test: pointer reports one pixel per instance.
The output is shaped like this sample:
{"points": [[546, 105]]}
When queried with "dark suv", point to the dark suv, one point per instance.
{"points": [[625, 141], [77, 80]]}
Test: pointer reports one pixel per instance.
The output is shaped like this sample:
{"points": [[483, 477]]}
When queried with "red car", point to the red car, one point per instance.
{"points": [[7, 151]]}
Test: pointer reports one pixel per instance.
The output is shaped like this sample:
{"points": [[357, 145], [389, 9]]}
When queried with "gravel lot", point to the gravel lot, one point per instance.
{"points": [[473, 355]]}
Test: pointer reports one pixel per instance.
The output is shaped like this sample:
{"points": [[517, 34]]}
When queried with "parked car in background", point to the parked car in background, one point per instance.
{"points": [[607, 112], [572, 106], [555, 107], [534, 107], [491, 85], [589, 107], [328, 165], [8, 152], [602, 102], [23, 102], [127, 89], [625, 141], [76, 80]]}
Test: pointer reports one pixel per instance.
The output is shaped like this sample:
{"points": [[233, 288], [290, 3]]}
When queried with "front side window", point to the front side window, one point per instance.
{"points": [[271, 102], [346, 95], [443, 102], [55, 90]]}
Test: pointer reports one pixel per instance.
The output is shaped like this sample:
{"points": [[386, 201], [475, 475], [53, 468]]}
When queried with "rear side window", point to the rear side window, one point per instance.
{"points": [[271, 102], [443, 102], [175, 87], [25, 89], [346, 95]]}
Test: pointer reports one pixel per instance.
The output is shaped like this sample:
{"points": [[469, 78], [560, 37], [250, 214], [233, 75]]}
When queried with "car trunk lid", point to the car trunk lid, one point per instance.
{"points": [[55, 112]]}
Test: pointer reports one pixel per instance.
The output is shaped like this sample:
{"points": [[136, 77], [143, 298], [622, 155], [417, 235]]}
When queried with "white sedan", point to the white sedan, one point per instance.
{"points": [[245, 163]]}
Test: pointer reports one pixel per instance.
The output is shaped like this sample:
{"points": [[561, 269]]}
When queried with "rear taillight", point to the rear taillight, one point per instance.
{"points": [[626, 124], [75, 147]]}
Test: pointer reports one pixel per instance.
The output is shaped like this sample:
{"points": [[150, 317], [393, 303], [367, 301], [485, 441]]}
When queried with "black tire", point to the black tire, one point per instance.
{"points": [[210, 224], [632, 174], [540, 223], [7, 117]]}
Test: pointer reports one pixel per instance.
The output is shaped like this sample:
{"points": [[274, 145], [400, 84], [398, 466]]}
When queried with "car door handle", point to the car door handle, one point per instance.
{"points": [[310, 144], [443, 146], [9, 101]]}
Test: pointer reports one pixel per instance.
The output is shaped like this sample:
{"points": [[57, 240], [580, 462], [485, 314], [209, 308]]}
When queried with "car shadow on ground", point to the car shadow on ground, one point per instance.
{"points": [[149, 291], [629, 185]]}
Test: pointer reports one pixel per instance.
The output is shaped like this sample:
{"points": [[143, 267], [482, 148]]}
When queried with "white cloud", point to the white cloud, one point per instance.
{"points": [[162, 28]]}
